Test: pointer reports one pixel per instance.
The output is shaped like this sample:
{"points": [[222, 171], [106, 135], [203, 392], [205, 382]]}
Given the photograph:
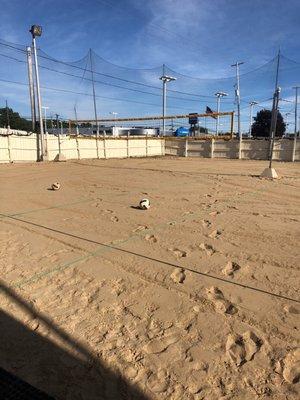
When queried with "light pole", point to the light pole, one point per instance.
{"points": [[251, 104], [165, 79], [219, 95], [77, 127], [36, 31], [31, 87], [296, 119], [237, 95], [114, 114], [45, 117]]}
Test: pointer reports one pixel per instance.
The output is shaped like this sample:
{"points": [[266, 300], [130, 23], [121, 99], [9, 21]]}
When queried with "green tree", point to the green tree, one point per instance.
{"points": [[15, 120], [262, 124]]}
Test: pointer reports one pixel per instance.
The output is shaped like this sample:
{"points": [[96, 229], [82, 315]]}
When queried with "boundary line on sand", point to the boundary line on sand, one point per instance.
{"points": [[112, 246]]}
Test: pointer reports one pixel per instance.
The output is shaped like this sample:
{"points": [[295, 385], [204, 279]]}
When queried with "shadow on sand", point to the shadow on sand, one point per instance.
{"points": [[52, 365]]}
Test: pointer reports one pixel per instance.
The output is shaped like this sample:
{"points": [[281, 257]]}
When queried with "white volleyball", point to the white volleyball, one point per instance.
{"points": [[144, 204], [55, 186]]}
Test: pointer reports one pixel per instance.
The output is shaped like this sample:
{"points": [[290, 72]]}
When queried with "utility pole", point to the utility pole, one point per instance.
{"points": [[237, 96], [274, 123], [77, 128], [252, 104], [7, 116], [94, 94], [31, 88], [296, 120], [35, 31], [165, 79]]}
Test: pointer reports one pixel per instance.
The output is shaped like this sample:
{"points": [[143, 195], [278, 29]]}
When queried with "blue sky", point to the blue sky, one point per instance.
{"points": [[195, 38]]}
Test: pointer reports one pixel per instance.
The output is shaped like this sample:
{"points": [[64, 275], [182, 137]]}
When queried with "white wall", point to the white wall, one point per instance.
{"points": [[250, 149], [24, 148]]}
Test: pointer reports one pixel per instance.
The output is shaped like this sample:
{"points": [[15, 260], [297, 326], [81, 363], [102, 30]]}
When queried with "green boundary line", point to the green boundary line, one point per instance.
{"points": [[116, 242], [2, 216]]}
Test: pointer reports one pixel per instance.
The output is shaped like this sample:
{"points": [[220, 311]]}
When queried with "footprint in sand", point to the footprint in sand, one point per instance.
{"points": [[161, 344], [114, 219], [289, 367], [242, 348], [215, 234], [158, 382], [206, 223], [140, 228], [151, 238], [214, 213], [178, 275], [221, 304], [230, 268], [178, 253], [207, 248]]}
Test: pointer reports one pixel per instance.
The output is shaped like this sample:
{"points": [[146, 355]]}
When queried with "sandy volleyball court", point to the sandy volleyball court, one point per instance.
{"points": [[196, 298]]}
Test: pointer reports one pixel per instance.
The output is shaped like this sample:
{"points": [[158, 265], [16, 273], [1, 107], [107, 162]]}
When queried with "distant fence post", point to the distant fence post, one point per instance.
{"points": [[77, 148], [104, 144], [9, 148], [127, 144], [294, 148], [240, 149], [97, 146], [186, 144], [212, 147]]}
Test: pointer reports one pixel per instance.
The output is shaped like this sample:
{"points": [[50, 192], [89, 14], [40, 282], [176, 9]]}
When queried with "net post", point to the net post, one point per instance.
{"points": [[77, 147], [104, 144], [128, 144], [240, 149], [231, 124], [186, 147], [212, 147], [9, 148]]}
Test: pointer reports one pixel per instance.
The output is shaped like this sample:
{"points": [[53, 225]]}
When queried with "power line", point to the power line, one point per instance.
{"points": [[108, 75], [106, 83], [87, 94]]}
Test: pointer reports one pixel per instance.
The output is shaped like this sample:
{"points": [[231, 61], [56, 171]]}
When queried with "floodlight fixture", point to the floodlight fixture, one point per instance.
{"points": [[221, 94], [36, 30], [167, 78]]}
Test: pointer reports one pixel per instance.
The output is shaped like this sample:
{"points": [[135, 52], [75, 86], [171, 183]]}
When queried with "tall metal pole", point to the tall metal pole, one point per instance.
{"points": [[277, 70], [57, 124], [296, 120], [218, 110], [164, 104], [77, 128], [37, 81], [250, 118], [7, 116], [237, 96], [274, 123], [31, 88], [94, 94], [45, 118]]}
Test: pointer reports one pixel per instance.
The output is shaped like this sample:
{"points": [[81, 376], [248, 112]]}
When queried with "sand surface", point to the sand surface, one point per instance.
{"points": [[196, 298]]}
